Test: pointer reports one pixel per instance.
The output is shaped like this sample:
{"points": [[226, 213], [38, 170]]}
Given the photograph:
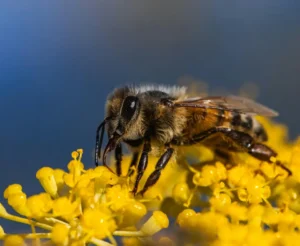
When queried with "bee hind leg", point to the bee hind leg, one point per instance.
{"points": [[246, 143], [258, 150], [261, 152], [243, 140], [264, 153], [160, 165], [280, 164]]}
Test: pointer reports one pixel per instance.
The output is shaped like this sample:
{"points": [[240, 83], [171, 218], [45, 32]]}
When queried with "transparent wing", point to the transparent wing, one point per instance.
{"points": [[230, 103]]}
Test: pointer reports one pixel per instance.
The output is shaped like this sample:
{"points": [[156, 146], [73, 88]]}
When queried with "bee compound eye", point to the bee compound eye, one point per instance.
{"points": [[129, 107]]}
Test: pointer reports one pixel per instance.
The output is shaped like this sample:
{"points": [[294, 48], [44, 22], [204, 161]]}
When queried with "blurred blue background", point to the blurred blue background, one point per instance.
{"points": [[60, 59]]}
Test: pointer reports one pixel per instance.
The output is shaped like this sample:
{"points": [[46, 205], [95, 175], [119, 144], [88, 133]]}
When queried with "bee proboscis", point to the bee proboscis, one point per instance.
{"points": [[166, 116]]}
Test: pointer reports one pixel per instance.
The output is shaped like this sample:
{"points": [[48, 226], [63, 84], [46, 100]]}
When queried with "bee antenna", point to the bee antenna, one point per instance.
{"points": [[99, 140]]}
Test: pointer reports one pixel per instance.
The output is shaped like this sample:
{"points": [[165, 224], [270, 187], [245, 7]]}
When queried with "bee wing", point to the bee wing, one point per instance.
{"points": [[229, 103]]}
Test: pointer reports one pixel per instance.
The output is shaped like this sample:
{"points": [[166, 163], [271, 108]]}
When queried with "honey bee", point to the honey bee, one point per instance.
{"points": [[166, 116]]}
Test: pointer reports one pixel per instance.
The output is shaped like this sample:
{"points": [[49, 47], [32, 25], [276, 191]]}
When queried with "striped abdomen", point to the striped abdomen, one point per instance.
{"points": [[204, 119], [247, 123]]}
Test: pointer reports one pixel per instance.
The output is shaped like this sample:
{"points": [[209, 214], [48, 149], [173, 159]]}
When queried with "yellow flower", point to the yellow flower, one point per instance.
{"points": [[2, 233], [47, 179], [17, 200], [181, 193], [239, 202], [118, 197], [39, 205], [131, 214], [183, 218], [12, 189], [220, 202], [59, 234], [14, 240], [131, 241], [155, 223], [63, 207], [98, 221]]}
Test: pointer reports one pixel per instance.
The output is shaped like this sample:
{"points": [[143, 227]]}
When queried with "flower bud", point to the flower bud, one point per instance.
{"points": [[3, 212], [181, 193], [14, 240], [46, 177], [183, 217], [59, 234], [17, 199], [220, 202], [155, 223], [12, 189], [40, 204], [2, 233]]}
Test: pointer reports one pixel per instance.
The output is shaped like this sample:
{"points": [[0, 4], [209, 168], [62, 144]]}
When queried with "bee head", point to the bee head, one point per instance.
{"points": [[122, 121], [122, 111]]}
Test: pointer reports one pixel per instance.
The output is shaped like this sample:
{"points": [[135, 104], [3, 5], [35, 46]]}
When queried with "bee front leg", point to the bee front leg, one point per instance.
{"points": [[142, 164], [133, 163], [160, 165], [118, 157]]}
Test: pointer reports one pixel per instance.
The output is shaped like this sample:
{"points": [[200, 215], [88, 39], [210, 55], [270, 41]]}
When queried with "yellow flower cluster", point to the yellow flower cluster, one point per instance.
{"points": [[245, 202]]}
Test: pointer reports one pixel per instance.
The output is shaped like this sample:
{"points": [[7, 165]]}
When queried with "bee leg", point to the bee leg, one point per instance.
{"points": [[142, 164], [258, 150], [242, 139], [160, 165], [264, 153], [133, 164], [118, 157], [223, 155], [261, 152], [246, 142], [278, 163], [208, 133]]}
